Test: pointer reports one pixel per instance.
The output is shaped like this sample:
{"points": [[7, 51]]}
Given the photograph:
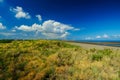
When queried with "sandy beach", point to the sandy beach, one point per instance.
{"points": [[89, 46]]}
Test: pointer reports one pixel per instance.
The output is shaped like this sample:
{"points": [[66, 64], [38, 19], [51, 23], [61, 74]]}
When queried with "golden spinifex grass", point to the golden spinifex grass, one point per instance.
{"points": [[56, 60]]}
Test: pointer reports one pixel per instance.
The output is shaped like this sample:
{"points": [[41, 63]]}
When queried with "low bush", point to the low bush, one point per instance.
{"points": [[56, 60]]}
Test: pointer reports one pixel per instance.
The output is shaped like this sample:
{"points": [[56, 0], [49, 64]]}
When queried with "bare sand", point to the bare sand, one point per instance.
{"points": [[89, 46]]}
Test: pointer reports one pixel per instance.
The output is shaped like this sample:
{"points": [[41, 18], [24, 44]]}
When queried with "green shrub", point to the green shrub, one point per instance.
{"points": [[97, 57], [107, 52], [93, 50]]}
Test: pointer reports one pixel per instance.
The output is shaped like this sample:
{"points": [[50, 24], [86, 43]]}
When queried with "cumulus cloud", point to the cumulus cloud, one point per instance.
{"points": [[64, 35], [102, 37], [98, 37], [88, 38], [52, 26], [105, 36], [27, 28], [49, 28], [20, 13], [39, 17], [13, 30], [116, 36], [2, 26]]}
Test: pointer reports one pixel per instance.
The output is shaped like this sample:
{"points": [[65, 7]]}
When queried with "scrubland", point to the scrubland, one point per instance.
{"points": [[57, 60]]}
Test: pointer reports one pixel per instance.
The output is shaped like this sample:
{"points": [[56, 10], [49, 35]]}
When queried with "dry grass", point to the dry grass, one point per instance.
{"points": [[56, 60]]}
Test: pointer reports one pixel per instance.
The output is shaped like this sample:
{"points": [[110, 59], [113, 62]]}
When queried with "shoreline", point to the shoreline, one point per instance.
{"points": [[91, 45]]}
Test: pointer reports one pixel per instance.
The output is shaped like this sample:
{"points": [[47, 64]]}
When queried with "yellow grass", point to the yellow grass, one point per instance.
{"points": [[57, 60]]}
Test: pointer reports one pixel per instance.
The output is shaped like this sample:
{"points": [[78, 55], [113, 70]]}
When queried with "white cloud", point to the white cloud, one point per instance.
{"points": [[116, 36], [39, 17], [76, 29], [89, 38], [64, 35], [27, 28], [102, 37], [50, 29], [2, 26], [98, 37], [105, 36], [7, 34], [13, 30], [20, 13], [51, 26]]}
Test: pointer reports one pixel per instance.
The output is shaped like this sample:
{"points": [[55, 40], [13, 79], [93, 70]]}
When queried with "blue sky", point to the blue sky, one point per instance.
{"points": [[60, 19]]}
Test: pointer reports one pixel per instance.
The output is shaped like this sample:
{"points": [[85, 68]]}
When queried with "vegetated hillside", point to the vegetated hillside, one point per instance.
{"points": [[56, 60]]}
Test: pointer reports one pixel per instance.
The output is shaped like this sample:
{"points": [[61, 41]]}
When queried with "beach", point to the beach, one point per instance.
{"points": [[89, 46]]}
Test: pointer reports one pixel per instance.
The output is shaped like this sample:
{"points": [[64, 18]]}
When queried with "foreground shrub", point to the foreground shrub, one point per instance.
{"points": [[56, 60], [98, 55]]}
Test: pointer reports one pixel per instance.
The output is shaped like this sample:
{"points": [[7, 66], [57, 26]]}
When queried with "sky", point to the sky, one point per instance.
{"points": [[60, 19]]}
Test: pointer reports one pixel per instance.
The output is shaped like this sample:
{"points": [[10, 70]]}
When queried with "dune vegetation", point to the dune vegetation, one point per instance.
{"points": [[56, 60]]}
